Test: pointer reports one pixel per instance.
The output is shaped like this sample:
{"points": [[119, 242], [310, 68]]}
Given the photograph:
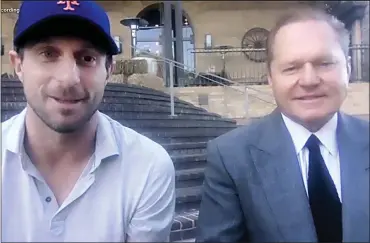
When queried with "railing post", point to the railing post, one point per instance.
{"points": [[246, 102], [172, 90]]}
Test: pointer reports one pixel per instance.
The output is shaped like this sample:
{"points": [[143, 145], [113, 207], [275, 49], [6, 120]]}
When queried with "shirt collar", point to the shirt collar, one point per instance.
{"points": [[14, 138], [326, 135], [105, 146]]}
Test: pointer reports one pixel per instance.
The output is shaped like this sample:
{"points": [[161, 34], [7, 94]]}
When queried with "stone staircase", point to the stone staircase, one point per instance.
{"points": [[147, 111]]}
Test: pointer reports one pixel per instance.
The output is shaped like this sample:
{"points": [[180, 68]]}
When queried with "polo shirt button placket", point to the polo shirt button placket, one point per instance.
{"points": [[57, 227]]}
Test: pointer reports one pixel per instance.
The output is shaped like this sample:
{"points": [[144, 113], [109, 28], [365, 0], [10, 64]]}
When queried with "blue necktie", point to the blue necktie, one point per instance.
{"points": [[326, 207]]}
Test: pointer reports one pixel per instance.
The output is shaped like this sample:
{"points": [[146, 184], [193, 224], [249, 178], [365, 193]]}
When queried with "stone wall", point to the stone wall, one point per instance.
{"points": [[232, 102]]}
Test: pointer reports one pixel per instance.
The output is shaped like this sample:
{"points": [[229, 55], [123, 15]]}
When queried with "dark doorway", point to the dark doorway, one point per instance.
{"points": [[149, 38]]}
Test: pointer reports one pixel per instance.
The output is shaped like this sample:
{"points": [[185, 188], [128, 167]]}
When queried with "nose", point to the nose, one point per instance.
{"points": [[67, 72], [309, 76]]}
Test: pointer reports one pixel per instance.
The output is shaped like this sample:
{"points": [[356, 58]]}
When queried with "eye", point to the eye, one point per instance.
{"points": [[49, 54], [326, 64], [289, 69], [87, 60]]}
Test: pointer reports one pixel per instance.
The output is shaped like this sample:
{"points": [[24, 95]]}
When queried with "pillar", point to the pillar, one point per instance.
{"points": [[167, 39], [179, 40]]}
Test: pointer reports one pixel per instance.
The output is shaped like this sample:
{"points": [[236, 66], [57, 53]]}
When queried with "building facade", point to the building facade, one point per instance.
{"points": [[219, 37]]}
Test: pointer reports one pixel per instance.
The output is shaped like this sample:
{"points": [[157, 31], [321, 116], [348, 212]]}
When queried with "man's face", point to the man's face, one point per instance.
{"points": [[309, 72], [63, 80]]}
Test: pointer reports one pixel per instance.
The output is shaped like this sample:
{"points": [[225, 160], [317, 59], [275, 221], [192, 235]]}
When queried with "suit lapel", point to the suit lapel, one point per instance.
{"points": [[354, 160], [278, 167]]}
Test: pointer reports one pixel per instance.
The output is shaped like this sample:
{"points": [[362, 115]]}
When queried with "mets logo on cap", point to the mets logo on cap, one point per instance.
{"points": [[69, 5]]}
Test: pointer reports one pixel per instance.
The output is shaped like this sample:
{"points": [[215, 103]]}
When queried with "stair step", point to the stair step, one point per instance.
{"points": [[180, 146], [186, 240], [184, 133], [186, 148], [152, 115], [159, 102], [175, 123], [167, 140], [189, 178], [188, 199], [188, 195], [189, 161]]}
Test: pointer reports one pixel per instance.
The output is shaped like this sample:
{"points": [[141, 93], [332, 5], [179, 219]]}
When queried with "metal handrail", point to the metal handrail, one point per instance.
{"points": [[246, 87], [173, 63], [182, 66], [224, 50]]}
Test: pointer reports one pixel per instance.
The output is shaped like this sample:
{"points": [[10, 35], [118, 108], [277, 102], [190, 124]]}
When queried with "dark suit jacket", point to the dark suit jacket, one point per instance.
{"points": [[253, 188]]}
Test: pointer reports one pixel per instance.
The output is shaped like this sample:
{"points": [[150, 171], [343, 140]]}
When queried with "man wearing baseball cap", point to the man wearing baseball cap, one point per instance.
{"points": [[69, 172]]}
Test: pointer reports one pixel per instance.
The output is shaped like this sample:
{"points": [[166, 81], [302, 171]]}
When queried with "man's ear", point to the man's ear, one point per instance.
{"points": [[16, 62]]}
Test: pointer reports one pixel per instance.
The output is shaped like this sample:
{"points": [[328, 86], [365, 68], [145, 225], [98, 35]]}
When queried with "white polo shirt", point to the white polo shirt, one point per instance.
{"points": [[126, 193]]}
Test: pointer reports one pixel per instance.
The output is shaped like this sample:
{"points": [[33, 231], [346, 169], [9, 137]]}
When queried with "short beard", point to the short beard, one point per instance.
{"points": [[65, 129]]}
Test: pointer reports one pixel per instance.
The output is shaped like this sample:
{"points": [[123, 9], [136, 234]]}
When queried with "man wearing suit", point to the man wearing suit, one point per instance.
{"points": [[300, 174]]}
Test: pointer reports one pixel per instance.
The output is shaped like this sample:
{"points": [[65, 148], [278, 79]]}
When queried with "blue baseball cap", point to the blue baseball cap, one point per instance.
{"points": [[43, 19]]}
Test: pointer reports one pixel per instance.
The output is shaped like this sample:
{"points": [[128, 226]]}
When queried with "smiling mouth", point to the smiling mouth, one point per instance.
{"points": [[68, 101], [312, 97]]}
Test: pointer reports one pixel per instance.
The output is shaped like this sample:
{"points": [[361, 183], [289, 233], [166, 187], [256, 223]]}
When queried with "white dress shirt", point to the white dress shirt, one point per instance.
{"points": [[328, 148], [126, 193]]}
